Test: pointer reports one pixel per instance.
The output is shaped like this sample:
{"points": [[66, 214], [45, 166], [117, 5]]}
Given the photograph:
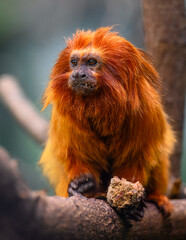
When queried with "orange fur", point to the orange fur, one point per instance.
{"points": [[120, 130]]}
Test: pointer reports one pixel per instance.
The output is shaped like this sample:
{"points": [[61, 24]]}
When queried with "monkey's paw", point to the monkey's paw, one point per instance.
{"points": [[132, 213], [162, 202], [84, 185]]}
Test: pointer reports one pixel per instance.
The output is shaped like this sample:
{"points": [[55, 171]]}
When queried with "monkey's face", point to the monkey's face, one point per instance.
{"points": [[84, 67], [102, 72]]}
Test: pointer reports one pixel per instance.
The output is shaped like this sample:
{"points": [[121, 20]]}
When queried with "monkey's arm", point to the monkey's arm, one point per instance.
{"points": [[68, 174], [72, 156]]}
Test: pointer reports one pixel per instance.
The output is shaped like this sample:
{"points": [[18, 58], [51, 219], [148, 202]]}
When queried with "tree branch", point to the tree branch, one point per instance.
{"points": [[22, 109], [32, 215]]}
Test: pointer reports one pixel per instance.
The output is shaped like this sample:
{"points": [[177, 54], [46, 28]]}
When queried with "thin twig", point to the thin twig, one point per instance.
{"points": [[22, 109]]}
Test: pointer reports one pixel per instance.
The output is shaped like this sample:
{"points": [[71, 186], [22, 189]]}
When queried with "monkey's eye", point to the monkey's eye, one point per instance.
{"points": [[74, 62], [92, 62]]}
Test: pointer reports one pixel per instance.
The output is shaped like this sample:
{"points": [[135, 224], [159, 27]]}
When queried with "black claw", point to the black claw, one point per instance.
{"points": [[143, 204], [140, 214], [86, 187], [72, 192], [83, 184], [73, 185], [135, 218], [133, 213], [163, 211], [136, 215], [102, 198]]}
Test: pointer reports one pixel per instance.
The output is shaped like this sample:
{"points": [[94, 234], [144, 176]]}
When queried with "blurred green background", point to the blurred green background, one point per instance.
{"points": [[31, 37]]}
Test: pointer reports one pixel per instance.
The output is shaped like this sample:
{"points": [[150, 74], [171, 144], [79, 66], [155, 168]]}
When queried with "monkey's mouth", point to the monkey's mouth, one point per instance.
{"points": [[84, 87]]}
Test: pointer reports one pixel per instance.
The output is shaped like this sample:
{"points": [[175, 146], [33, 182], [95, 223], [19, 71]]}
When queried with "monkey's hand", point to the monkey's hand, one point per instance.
{"points": [[83, 185], [132, 213]]}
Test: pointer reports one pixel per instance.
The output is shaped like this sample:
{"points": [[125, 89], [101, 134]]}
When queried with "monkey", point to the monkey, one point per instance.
{"points": [[107, 119]]}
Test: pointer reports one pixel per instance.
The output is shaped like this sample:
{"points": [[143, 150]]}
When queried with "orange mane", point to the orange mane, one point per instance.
{"points": [[121, 129], [125, 82]]}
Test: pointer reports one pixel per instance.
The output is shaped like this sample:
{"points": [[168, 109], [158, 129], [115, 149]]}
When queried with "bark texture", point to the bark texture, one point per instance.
{"points": [[27, 215], [165, 40]]}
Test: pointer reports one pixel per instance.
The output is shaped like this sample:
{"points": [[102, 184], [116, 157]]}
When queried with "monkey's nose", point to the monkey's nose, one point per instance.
{"points": [[78, 75], [83, 75]]}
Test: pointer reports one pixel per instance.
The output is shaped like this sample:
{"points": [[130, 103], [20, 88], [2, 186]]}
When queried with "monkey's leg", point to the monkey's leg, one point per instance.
{"points": [[162, 202], [157, 187]]}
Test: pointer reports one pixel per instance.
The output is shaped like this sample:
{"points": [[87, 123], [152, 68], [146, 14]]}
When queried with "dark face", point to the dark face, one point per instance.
{"points": [[84, 67]]}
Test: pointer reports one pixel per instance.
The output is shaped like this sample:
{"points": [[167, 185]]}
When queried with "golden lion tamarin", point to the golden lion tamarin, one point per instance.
{"points": [[107, 119]]}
